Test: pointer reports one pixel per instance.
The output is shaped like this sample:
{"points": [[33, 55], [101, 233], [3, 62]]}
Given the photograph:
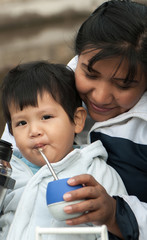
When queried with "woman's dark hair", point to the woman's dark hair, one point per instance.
{"points": [[23, 83], [116, 28]]}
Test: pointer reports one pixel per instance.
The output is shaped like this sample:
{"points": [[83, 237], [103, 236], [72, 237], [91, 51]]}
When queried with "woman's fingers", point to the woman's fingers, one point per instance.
{"points": [[85, 218], [99, 211], [84, 206], [97, 206], [85, 179], [82, 193], [91, 188]]}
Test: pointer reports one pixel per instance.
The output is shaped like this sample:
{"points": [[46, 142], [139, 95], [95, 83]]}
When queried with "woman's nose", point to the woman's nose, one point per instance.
{"points": [[103, 93]]}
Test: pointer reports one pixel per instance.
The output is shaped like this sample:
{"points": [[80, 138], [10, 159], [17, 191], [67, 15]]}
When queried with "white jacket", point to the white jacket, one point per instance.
{"points": [[32, 210]]}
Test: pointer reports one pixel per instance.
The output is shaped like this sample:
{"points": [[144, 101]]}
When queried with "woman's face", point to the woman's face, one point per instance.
{"points": [[103, 89]]}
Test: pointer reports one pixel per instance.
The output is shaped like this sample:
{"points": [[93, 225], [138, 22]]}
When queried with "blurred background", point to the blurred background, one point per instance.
{"points": [[39, 29]]}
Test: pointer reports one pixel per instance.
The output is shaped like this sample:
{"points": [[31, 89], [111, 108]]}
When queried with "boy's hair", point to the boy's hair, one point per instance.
{"points": [[23, 83], [118, 28]]}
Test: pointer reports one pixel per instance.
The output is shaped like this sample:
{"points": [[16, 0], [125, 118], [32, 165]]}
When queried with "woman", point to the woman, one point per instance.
{"points": [[110, 70]]}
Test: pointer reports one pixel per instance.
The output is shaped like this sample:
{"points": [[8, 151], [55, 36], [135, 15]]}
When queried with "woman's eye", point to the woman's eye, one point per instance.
{"points": [[121, 84], [91, 76], [124, 86], [21, 123], [46, 117]]}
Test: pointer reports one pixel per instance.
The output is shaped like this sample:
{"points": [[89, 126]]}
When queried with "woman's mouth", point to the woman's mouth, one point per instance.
{"points": [[100, 109]]}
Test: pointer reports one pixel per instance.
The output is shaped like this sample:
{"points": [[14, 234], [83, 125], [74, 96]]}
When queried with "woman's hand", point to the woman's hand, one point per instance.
{"points": [[98, 207]]}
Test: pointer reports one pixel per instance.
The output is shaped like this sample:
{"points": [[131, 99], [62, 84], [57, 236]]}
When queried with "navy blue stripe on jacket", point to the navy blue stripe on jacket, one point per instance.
{"points": [[129, 159]]}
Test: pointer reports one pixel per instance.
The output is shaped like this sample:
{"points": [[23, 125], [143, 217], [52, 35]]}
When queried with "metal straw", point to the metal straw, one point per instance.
{"points": [[48, 164]]}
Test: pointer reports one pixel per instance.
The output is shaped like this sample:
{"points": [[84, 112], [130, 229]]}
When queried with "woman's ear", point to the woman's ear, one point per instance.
{"points": [[79, 119]]}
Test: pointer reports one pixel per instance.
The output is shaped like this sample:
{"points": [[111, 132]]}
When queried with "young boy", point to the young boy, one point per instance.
{"points": [[43, 110]]}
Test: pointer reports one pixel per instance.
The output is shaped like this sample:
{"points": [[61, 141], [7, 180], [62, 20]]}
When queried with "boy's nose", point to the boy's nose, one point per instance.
{"points": [[35, 131]]}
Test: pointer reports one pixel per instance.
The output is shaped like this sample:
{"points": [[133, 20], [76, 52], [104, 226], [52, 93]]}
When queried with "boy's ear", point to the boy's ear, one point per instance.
{"points": [[79, 119]]}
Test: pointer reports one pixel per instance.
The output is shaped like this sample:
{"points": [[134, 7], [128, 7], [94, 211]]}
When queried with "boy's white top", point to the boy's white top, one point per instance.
{"points": [[29, 196]]}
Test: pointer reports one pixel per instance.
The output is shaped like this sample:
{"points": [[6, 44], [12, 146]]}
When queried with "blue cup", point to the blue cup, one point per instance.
{"points": [[54, 198]]}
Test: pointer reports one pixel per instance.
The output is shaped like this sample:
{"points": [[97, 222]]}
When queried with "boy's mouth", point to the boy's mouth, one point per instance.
{"points": [[39, 146]]}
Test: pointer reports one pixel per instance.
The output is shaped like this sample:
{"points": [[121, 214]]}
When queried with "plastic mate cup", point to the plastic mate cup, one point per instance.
{"points": [[55, 202]]}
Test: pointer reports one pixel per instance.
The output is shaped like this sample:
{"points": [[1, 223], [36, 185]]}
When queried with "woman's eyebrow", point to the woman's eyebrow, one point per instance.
{"points": [[124, 79], [92, 70], [119, 79]]}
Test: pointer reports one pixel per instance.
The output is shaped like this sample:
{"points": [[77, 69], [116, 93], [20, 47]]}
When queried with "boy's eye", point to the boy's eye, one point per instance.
{"points": [[45, 117], [21, 123]]}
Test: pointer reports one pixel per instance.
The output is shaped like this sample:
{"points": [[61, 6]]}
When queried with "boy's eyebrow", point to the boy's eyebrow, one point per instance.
{"points": [[15, 116]]}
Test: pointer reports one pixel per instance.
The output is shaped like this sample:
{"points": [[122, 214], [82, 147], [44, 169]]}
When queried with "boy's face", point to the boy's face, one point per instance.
{"points": [[46, 126]]}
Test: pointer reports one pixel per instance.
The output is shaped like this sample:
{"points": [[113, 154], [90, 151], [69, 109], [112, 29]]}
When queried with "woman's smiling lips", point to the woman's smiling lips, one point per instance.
{"points": [[100, 109]]}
